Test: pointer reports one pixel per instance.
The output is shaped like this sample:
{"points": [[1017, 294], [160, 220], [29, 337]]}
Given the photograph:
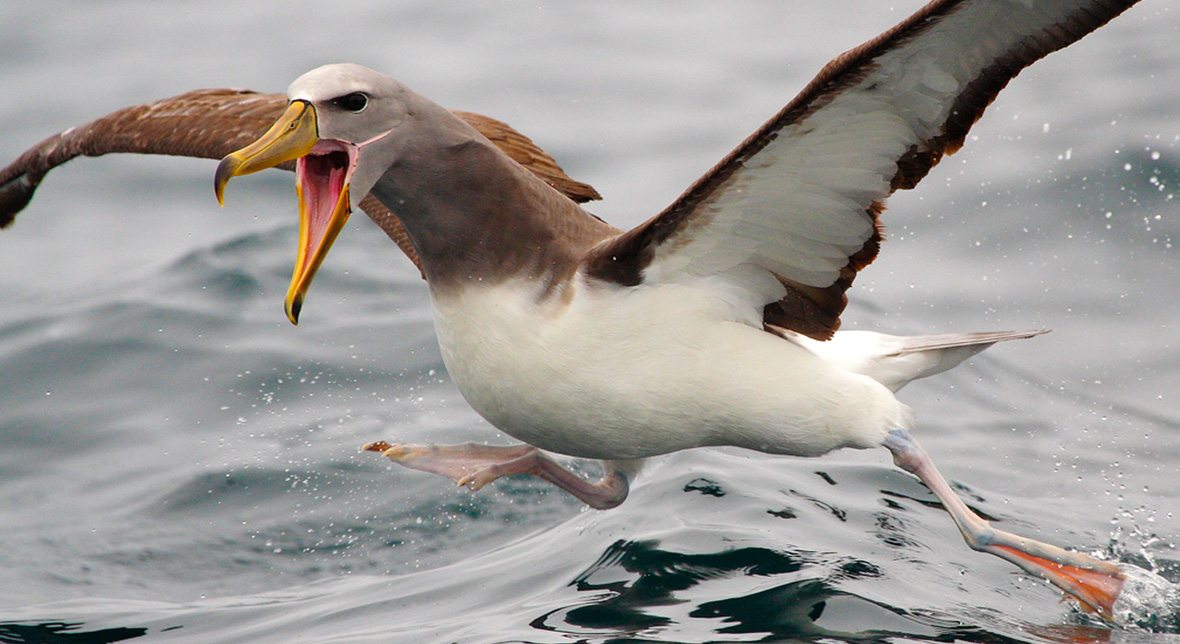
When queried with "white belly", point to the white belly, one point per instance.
{"points": [[634, 372]]}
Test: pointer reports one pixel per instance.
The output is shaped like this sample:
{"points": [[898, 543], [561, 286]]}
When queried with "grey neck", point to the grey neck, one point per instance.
{"points": [[477, 217]]}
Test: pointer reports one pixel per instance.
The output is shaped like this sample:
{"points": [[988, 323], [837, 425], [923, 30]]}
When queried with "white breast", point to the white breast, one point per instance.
{"points": [[619, 373]]}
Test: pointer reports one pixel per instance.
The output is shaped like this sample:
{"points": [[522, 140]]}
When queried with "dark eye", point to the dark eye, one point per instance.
{"points": [[353, 102]]}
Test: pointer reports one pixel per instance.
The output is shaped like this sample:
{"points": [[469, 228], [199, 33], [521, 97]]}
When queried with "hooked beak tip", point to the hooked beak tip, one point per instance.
{"points": [[292, 136], [294, 305], [225, 172]]}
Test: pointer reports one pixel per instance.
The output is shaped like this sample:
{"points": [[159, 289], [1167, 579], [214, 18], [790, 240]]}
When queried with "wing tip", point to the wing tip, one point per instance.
{"points": [[15, 194]]}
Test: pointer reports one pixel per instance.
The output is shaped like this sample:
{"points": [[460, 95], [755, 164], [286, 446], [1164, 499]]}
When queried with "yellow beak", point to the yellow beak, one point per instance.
{"points": [[293, 137]]}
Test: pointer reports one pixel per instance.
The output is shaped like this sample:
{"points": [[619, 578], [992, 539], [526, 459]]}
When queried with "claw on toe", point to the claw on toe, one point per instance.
{"points": [[476, 480], [392, 452]]}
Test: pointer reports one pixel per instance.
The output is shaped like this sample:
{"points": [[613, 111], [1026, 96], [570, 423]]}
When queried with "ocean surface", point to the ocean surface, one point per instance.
{"points": [[180, 464]]}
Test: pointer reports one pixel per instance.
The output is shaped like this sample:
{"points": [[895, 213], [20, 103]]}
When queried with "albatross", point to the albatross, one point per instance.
{"points": [[713, 323]]}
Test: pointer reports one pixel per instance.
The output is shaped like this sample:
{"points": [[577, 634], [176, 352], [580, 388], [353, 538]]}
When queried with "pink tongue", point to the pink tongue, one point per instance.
{"points": [[321, 179]]}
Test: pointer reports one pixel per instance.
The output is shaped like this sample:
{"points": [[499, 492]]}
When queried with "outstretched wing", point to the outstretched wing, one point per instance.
{"points": [[789, 217], [211, 123], [208, 124]]}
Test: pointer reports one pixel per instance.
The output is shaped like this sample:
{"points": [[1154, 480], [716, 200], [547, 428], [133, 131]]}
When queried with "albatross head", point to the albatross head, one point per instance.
{"points": [[336, 119]]}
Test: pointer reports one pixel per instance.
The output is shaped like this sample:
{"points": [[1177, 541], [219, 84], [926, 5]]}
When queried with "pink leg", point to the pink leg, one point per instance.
{"points": [[474, 466], [1095, 583]]}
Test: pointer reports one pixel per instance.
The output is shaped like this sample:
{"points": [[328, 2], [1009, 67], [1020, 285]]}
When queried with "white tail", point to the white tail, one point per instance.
{"points": [[893, 360]]}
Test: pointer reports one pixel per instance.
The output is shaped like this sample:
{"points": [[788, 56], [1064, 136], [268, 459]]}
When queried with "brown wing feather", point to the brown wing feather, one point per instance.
{"points": [[815, 310], [211, 123], [522, 150], [205, 124]]}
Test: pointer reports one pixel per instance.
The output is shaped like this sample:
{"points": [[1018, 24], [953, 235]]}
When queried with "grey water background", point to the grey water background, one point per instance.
{"points": [[179, 464]]}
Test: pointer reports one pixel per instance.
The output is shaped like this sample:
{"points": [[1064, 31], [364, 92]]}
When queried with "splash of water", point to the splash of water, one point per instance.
{"points": [[1148, 601]]}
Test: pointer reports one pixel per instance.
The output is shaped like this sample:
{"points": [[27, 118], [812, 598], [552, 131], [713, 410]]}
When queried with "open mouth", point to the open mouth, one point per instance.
{"points": [[321, 179], [323, 170], [322, 176]]}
